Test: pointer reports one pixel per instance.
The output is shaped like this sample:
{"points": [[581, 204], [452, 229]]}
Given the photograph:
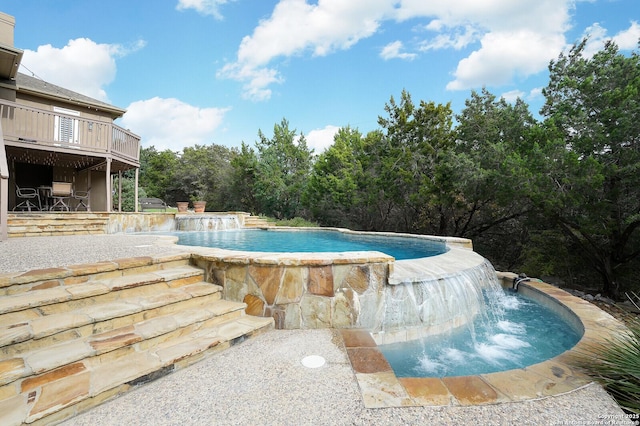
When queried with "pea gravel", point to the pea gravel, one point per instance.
{"points": [[262, 382], [23, 254]]}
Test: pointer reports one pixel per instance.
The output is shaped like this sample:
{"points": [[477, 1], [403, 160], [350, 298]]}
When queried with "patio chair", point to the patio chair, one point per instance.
{"points": [[28, 195], [60, 192], [83, 200]]}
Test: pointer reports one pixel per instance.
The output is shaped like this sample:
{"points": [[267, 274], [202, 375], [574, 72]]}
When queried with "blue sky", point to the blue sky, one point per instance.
{"points": [[217, 71]]}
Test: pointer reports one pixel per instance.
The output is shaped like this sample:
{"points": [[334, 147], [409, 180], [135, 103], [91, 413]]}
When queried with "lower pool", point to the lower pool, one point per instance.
{"points": [[515, 332], [310, 240]]}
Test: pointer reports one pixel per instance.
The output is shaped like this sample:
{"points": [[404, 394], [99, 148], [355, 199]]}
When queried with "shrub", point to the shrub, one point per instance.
{"points": [[616, 365], [297, 222]]}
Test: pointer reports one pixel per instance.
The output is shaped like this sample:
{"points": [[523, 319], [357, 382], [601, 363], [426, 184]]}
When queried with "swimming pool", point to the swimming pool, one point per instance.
{"points": [[313, 241], [516, 332]]}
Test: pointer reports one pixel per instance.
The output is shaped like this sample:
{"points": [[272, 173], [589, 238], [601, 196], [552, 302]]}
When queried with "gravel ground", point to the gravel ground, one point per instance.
{"points": [[262, 381], [23, 254]]}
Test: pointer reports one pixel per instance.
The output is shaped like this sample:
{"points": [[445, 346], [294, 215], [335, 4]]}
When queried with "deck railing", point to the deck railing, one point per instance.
{"points": [[56, 129], [4, 189]]}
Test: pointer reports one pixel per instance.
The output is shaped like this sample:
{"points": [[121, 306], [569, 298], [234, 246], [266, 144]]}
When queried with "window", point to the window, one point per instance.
{"points": [[66, 128]]}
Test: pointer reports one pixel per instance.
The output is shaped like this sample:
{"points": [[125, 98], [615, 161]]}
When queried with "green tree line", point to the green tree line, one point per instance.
{"points": [[559, 196]]}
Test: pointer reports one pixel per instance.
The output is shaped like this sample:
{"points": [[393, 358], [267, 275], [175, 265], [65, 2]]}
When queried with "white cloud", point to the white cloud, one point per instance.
{"points": [[83, 65], [516, 38], [490, 15], [256, 80], [296, 27], [597, 36], [504, 55], [535, 93], [171, 123], [321, 139], [510, 39], [512, 95], [628, 39], [203, 7], [457, 38], [393, 51]]}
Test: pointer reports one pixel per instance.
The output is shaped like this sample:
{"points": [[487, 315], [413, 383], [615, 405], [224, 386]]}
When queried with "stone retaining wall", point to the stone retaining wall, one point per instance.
{"points": [[306, 292]]}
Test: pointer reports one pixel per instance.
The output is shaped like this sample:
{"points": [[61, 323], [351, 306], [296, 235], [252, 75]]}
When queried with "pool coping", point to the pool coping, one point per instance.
{"points": [[380, 388]]}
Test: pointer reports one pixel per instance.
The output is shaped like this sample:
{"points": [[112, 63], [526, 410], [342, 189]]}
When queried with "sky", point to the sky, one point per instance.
{"points": [[219, 71]]}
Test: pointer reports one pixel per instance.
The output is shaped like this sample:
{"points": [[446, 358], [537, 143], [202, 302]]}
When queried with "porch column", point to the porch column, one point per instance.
{"points": [[120, 190], [135, 193], [4, 190], [108, 184], [4, 206]]}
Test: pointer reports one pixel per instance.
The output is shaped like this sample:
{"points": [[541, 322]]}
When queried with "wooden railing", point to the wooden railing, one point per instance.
{"points": [[54, 129], [4, 189]]}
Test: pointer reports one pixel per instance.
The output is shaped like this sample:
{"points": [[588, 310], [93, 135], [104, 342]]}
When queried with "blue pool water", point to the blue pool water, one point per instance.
{"points": [[518, 333], [312, 241]]}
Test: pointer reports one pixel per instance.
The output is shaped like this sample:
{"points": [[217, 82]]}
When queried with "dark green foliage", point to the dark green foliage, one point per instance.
{"points": [[281, 172], [128, 194], [158, 174], [243, 178], [204, 174], [296, 222], [592, 186], [616, 365], [337, 185], [198, 173]]}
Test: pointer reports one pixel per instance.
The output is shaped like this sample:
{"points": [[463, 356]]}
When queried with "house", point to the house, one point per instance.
{"points": [[52, 134]]}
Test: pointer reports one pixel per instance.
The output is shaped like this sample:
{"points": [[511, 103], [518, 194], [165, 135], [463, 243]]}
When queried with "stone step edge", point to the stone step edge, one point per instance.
{"points": [[57, 222], [56, 357], [35, 231], [55, 233], [65, 293], [44, 228], [59, 273], [103, 381], [49, 325]]}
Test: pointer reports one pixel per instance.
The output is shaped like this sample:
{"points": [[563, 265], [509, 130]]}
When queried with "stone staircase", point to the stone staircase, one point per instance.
{"points": [[256, 222], [72, 337], [56, 223]]}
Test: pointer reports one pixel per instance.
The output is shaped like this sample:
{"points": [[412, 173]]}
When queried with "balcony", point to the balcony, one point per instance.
{"points": [[38, 129]]}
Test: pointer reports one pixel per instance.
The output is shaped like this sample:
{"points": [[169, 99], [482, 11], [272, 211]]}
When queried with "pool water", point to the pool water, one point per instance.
{"points": [[282, 241], [517, 332]]}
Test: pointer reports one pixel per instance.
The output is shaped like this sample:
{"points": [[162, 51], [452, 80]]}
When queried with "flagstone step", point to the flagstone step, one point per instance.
{"points": [[18, 282], [74, 336], [256, 222], [58, 391], [53, 356], [41, 298], [40, 331], [40, 224]]}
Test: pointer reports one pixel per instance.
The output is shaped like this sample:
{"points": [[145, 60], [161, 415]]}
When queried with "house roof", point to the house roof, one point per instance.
{"points": [[41, 88]]}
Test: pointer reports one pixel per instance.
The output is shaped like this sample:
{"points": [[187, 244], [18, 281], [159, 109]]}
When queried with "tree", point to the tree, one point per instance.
{"points": [[592, 190], [416, 139], [284, 164], [158, 174], [334, 193], [128, 194], [205, 174], [486, 175], [243, 178]]}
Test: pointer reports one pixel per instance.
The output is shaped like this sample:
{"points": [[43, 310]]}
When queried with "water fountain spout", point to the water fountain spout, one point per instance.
{"points": [[519, 279], [207, 222]]}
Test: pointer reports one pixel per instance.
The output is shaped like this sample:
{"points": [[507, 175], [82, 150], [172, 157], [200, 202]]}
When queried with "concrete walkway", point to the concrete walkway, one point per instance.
{"points": [[262, 381]]}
